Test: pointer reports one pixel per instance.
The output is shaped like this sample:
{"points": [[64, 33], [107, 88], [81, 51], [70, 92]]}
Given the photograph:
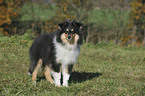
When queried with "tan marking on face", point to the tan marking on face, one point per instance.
{"points": [[48, 74], [72, 29], [73, 35], [67, 30], [64, 38], [73, 40], [66, 35], [37, 68], [76, 39]]}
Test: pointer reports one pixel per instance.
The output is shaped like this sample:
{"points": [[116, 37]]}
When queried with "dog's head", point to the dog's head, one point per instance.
{"points": [[69, 32]]}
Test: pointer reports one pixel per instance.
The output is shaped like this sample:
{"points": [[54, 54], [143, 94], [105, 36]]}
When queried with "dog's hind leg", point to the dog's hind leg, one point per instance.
{"points": [[48, 74], [35, 72]]}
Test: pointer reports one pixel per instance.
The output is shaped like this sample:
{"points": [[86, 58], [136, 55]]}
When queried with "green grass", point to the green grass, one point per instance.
{"points": [[102, 69]]}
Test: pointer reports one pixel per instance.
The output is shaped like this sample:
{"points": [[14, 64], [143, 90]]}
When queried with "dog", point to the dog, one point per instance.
{"points": [[56, 53]]}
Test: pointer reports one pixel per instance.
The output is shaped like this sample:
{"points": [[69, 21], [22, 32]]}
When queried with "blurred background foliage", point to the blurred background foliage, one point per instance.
{"points": [[120, 22]]}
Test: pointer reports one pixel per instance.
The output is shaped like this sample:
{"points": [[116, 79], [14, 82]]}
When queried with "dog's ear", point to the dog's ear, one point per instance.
{"points": [[77, 24], [62, 25]]}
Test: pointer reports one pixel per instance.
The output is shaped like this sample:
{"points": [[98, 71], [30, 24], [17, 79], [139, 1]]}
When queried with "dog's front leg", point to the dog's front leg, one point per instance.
{"points": [[55, 71], [66, 71]]}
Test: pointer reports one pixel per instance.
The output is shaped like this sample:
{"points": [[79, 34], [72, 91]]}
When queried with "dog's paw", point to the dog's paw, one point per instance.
{"points": [[65, 85], [34, 82], [58, 84]]}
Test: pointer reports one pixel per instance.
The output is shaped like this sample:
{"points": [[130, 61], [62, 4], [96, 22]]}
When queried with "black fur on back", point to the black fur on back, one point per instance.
{"points": [[42, 47]]}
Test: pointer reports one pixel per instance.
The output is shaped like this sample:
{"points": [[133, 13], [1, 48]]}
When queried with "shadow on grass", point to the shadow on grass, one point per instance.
{"points": [[77, 77]]}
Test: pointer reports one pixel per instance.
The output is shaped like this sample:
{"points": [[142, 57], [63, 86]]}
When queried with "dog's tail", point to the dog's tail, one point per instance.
{"points": [[33, 60], [35, 66], [29, 73], [32, 65], [31, 69]]}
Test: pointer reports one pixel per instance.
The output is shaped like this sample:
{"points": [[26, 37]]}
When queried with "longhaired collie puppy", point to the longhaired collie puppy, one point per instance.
{"points": [[56, 52]]}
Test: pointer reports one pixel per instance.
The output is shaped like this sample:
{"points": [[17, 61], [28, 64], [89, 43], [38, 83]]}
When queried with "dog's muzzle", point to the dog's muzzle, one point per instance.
{"points": [[69, 37]]}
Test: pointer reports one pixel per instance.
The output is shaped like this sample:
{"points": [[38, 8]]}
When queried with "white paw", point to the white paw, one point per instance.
{"points": [[34, 82], [65, 84], [58, 84]]}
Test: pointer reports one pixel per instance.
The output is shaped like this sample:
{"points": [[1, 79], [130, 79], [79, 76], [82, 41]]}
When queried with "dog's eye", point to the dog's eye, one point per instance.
{"points": [[66, 32], [73, 32]]}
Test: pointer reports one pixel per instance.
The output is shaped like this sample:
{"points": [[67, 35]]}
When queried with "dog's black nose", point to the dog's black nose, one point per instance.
{"points": [[69, 37]]}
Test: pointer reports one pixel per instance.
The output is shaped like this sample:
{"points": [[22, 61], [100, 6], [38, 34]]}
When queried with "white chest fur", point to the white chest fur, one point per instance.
{"points": [[66, 54]]}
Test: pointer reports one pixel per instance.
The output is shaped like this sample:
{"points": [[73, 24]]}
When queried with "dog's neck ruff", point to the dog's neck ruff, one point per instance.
{"points": [[66, 53]]}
